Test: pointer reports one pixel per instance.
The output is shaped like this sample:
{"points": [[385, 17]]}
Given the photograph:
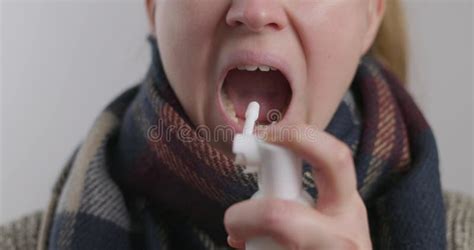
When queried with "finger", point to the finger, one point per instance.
{"points": [[238, 244], [331, 159], [289, 223]]}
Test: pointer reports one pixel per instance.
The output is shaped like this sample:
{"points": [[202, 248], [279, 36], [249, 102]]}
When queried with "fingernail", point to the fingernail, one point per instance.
{"points": [[233, 243]]}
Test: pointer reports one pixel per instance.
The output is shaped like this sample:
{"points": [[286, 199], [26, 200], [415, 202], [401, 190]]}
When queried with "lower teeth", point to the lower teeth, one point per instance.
{"points": [[230, 110], [229, 107]]}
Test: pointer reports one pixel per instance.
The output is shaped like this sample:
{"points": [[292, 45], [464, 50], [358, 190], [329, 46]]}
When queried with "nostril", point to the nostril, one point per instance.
{"points": [[238, 23], [275, 26], [234, 22]]}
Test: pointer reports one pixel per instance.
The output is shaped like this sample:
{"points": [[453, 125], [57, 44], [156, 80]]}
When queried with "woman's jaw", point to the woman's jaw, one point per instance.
{"points": [[314, 48]]}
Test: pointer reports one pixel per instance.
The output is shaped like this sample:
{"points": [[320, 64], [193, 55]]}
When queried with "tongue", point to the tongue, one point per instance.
{"points": [[270, 89]]}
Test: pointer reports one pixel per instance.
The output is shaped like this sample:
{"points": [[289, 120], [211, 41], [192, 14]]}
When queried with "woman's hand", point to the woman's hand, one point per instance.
{"points": [[337, 221]]}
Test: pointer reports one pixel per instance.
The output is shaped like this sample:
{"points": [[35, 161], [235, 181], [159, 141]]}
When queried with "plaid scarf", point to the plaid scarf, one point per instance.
{"points": [[125, 188]]}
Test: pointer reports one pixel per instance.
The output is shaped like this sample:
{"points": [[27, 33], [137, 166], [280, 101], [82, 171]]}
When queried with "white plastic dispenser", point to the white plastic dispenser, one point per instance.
{"points": [[279, 171]]}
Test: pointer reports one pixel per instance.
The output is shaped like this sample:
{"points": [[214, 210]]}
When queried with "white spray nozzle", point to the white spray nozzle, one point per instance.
{"points": [[245, 145], [251, 116]]}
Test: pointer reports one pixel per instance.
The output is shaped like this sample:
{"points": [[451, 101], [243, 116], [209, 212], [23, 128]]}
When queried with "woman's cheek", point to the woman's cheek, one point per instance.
{"points": [[185, 45]]}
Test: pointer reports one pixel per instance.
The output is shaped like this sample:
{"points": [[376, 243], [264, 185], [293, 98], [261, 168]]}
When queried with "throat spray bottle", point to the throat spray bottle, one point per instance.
{"points": [[278, 169]]}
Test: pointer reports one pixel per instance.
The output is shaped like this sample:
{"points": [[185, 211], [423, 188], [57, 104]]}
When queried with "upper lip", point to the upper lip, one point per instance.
{"points": [[249, 57]]}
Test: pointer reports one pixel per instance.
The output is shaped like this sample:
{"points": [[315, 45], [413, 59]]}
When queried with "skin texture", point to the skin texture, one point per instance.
{"points": [[322, 41]]}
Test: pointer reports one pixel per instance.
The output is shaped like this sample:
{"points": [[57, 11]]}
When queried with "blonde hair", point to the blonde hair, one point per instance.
{"points": [[390, 45]]}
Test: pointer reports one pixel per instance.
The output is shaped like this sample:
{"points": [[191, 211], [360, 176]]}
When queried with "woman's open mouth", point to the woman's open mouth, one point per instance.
{"points": [[261, 83]]}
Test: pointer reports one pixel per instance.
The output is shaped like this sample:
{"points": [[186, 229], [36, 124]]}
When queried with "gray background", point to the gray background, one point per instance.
{"points": [[63, 61]]}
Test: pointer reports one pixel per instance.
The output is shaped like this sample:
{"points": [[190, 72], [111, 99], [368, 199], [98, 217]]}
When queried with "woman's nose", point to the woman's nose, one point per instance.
{"points": [[257, 15]]}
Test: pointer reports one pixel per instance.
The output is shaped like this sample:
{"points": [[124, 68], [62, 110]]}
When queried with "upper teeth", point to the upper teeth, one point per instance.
{"points": [[255, 67]]}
